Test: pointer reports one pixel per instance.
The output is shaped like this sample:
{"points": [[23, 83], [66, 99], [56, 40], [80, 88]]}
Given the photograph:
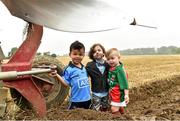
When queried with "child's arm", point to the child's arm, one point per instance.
{"points": [[126, 96], [61, 80], [55, 74]]}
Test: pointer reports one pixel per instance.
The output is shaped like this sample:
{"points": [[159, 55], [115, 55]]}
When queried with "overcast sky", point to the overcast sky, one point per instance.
{"points": [[163, 14]]}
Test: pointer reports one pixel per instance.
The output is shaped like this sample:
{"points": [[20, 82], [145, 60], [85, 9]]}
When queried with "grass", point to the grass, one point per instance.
{"points": [[146, 68]]}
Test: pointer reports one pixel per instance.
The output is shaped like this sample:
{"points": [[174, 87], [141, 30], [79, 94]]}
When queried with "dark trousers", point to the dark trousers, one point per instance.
{"points": [[85, 105]]}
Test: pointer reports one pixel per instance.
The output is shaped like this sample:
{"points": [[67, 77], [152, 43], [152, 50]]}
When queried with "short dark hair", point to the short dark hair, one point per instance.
{"points": [[76, 46], [91, 52]]}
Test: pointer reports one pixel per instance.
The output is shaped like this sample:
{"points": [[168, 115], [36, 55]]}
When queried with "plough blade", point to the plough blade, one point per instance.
{"points": [[30, 91]]}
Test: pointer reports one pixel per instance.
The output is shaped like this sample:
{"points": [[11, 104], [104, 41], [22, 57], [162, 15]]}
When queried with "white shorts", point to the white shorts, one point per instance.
{"points": [[120, 104]]}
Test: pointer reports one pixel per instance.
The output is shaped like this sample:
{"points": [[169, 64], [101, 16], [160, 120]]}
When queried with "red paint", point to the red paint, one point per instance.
{"points": [[22, 61]]}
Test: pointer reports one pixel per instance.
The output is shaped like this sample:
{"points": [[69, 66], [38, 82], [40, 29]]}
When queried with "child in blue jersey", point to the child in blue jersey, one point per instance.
{"points": [[76, 77], [98, 71]]}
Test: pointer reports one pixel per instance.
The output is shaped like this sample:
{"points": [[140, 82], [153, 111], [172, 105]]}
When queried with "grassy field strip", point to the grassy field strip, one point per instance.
{"points": [[147, 68]]}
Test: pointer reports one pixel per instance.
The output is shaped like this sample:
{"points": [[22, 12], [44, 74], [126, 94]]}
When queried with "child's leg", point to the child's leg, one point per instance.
{"points": [[121, 110], [85, 105], [114, 109], [104, 103], [96, 103], [72, 105]]}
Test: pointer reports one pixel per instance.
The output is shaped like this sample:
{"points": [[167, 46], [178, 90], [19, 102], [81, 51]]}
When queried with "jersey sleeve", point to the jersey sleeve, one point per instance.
{"points": [[87, 69], [66, 76], [122, 79]]}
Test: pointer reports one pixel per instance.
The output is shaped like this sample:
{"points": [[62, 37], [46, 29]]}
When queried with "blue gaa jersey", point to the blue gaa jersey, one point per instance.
{"points": [[78, 80]]}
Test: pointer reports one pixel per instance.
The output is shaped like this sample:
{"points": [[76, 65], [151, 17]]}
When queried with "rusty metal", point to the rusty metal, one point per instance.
{"points": [[10, 75], [42, 79], [22, 61]]}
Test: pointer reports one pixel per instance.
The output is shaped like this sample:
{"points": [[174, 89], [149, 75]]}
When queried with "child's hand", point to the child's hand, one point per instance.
{"points": [[54, 71], [126, 97]]}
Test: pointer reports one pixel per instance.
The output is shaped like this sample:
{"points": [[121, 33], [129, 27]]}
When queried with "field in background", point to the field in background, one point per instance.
{"points": [[154, 93], [145, 68]]}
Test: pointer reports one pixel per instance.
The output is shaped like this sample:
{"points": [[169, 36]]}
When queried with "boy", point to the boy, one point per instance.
{"points": [[119, 93], [76, 77]]}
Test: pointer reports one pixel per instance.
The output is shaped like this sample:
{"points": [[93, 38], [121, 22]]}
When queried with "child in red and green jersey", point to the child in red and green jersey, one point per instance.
{"points": [[118, 83]]}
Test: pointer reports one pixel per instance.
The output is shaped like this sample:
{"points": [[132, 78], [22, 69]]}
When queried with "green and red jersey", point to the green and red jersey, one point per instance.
{"points": [[118, 82]]}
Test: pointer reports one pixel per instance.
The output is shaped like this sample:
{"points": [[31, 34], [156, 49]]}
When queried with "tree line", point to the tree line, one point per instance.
{"points": [[152, 51], [137, 51], [14, 49]]}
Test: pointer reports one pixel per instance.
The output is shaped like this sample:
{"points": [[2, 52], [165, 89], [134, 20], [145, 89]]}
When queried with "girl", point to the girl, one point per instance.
{"points": [[98, 71]]}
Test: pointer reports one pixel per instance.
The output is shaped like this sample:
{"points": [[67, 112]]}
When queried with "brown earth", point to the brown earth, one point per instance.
{"points": [[159, 100]]}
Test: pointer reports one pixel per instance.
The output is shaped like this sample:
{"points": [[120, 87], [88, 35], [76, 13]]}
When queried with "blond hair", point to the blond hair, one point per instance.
{"points": [[113, 52]]}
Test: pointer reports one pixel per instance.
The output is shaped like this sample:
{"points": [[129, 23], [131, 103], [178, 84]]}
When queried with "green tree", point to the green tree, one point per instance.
{"points": [[38, 53], [46, 53], [12, 52], [53, 55]]}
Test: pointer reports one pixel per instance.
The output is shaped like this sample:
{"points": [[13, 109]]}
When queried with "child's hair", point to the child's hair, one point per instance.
{"points": [[77, 46], [113, 51], [91, 52]]}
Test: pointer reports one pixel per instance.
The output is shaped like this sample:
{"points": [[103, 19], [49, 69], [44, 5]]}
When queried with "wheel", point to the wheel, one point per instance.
{"points": [[19, 99], [54, 92]]}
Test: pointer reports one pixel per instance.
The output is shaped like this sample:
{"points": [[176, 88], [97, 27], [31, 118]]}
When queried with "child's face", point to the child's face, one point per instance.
{"points": [[113, 60], [77, 55], [98, 53]]}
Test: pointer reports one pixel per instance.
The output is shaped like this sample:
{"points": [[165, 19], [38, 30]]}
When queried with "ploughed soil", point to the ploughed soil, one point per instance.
{"points": [[158, 100]]}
